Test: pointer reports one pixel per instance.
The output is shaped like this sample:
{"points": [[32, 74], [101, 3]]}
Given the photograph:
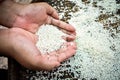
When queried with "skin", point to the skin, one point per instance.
{"points": [[19, 41]]}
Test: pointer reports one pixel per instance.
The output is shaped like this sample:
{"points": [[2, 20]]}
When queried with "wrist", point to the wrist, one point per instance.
{"points": [[8, 12], [5, 42]]}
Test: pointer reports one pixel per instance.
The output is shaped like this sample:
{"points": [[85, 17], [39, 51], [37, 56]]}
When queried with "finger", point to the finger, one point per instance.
{"points": [[53, 65], [69, 38], [53, 56], [68, 32], [66, 28], [73, 45], [68, 52], [62, 25], [53, 61], [62, 57], [48, 65], [51, 11], [66, 55]]}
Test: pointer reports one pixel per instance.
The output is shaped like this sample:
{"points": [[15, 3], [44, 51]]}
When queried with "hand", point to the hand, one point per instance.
{"points": [[34, 15], [20, 45], [31, 16]]}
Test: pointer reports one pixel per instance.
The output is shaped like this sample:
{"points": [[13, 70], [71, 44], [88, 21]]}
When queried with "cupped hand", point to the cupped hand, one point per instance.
{"points": [[21, 45], [31, 16]]}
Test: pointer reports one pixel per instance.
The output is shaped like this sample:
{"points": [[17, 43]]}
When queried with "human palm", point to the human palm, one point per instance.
{"points": [[24, 50]]}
